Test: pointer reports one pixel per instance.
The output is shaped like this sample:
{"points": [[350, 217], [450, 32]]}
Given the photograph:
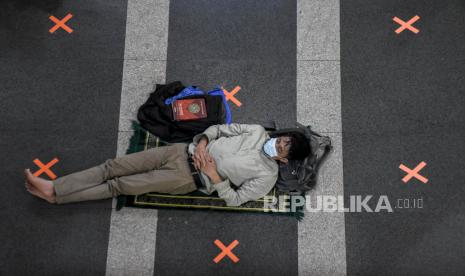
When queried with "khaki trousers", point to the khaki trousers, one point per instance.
{"points": [[163, 169]]}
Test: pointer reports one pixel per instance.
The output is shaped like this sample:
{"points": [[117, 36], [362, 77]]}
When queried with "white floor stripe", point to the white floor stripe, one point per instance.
{"points": [[131, 247], [321, 236]]}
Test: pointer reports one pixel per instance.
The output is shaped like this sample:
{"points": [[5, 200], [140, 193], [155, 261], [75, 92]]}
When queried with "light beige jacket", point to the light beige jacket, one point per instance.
{"points": [[240, 160]]}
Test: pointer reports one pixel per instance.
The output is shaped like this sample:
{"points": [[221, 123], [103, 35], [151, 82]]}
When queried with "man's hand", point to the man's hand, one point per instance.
{"points": [[200, 153], [208, 167]]}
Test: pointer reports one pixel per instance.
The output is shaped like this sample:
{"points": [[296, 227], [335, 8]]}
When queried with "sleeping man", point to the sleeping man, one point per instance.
{"points": [[239, 161]]}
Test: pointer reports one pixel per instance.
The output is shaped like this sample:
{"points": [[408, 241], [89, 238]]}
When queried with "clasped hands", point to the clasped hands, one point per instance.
{"points": [[204, 162]]}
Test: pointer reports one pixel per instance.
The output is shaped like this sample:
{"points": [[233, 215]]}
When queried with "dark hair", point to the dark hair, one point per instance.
{"points": [[300, 146]]}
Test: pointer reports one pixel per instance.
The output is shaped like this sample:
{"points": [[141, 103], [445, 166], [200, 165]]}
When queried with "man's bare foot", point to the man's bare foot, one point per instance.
{"points": [[42, 187], [33, 190]]}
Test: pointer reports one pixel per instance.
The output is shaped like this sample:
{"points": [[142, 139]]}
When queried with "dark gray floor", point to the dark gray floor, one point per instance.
{"points": [[403, 102], [250, 44], [60, 96]]}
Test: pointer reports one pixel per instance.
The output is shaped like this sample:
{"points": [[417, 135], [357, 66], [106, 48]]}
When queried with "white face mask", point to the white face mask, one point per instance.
{"points": [[270, 147]]}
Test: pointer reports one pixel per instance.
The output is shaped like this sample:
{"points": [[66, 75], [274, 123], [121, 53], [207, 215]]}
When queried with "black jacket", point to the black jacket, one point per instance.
{"points": [[157, 117]]}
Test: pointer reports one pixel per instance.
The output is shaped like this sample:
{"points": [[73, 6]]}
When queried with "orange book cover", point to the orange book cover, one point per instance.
{"points": [[189, 109]]}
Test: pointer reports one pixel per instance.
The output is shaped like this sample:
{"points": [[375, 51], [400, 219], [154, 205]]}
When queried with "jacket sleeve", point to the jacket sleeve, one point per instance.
{"points": [[225, 130], [252, 189]]}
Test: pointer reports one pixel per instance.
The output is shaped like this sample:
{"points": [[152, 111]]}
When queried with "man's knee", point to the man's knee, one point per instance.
{"points": [[117, 189], [108, 169]]}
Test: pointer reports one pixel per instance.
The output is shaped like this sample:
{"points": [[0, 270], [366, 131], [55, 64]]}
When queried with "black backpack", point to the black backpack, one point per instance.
{"points": [[299, 176]]}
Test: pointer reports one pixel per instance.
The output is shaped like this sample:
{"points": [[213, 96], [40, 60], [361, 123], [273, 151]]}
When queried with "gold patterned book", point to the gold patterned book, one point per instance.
{"points": [[189, 109]]}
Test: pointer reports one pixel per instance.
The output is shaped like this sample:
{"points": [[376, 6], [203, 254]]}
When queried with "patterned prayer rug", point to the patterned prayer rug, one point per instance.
{"points": [[274, 203]]}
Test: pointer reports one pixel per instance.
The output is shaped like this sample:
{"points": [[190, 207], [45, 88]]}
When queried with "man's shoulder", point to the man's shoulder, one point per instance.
{"points": [[256, 128], [271, 166]]}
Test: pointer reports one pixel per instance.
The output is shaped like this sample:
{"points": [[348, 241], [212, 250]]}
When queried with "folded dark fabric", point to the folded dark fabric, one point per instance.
{"points": [[157, 117]]}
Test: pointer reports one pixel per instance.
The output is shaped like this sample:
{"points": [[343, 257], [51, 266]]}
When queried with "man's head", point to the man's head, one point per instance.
{"points": [[292, 145]]}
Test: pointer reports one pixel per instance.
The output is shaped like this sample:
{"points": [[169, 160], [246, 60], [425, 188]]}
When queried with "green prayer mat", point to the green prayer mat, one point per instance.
{"points": [[143, 140]]}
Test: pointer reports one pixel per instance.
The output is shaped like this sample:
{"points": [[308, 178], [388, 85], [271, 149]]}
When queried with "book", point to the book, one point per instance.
{"points": [[189, 109]]}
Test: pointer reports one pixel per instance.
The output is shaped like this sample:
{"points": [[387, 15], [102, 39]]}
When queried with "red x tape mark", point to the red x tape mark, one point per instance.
{"points": [[61, 23], [226, 251], [406, 25], [230, 95], [413, 173], [45, 168]]}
